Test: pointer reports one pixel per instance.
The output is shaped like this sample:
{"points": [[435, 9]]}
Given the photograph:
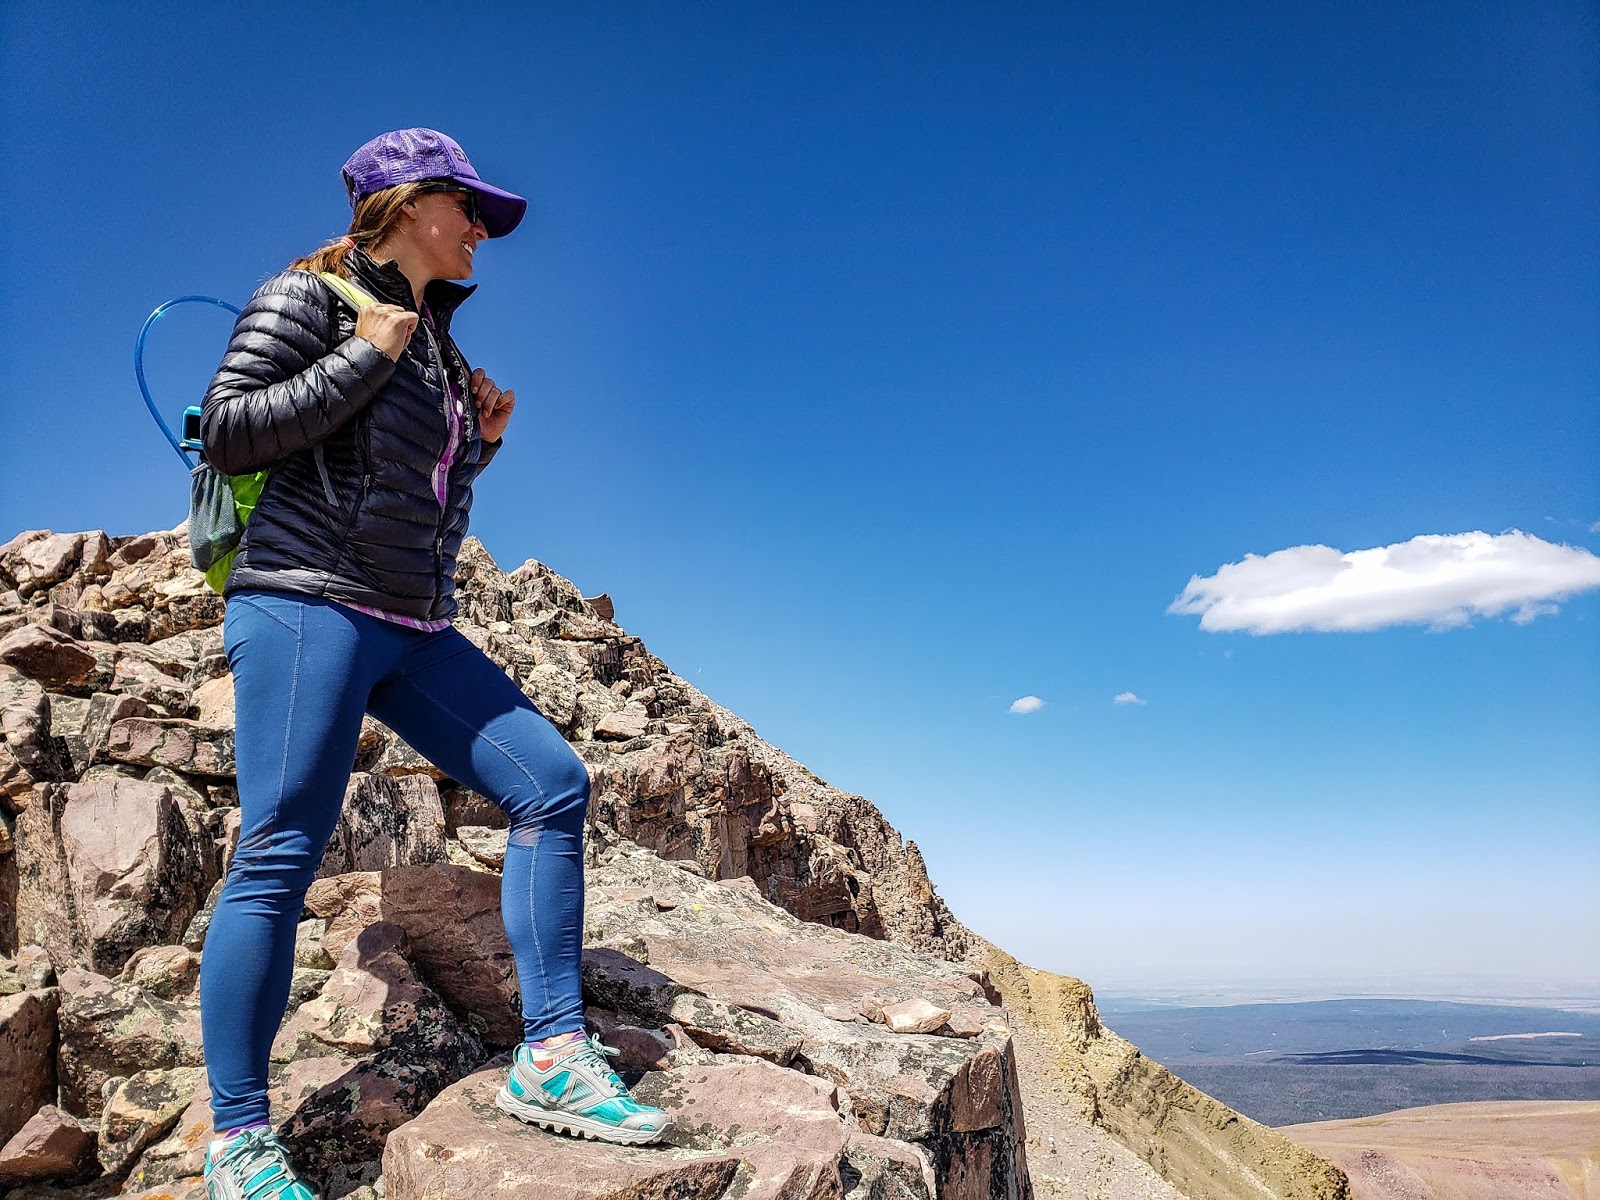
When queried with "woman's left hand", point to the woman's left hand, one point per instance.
{"points": [[494, 406]]}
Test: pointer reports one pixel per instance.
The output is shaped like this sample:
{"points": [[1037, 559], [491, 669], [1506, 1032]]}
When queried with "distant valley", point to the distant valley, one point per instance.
{"points": [[1284, 1063]]}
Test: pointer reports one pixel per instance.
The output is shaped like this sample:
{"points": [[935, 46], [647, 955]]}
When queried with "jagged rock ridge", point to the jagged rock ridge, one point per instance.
{"points": [[768, 953]]}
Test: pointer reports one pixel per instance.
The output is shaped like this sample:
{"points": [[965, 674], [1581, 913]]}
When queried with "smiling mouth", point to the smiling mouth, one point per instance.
{"points": [[469, 248]]}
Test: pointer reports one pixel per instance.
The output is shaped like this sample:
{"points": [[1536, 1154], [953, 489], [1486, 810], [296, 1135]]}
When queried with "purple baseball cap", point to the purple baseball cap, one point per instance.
{"points": [[412, 155]]}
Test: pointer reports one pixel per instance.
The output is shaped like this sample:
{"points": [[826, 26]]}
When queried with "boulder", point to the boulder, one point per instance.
{"points": [[194, 937], [155, 681], [310, 946], [82, 726], [487, 846], [32, 752], [141, 1109], [29, 970], [48, 656], [630, 722], [45, 913], [744, 1128], [462, 1145], [212, 702], [348, 903], [180, 744], [10, 558], [138, 865], [374, 1002], [41, 561], [913, 1016], [170, 972], [111, 1029], [386, 821], [52, 1145], [954, 1097], [350, 1066], [462, 806], [451, 916], [28, 1023]]}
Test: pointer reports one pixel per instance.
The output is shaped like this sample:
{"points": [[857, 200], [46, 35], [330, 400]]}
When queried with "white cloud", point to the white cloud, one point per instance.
{"points": [[1440, 580], [1024, 705], [1126, 698], [1595, 528]]}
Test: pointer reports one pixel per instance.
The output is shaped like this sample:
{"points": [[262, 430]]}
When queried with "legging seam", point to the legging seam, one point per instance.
{"points": [[288, 720], [538, 949], [250, 602]]}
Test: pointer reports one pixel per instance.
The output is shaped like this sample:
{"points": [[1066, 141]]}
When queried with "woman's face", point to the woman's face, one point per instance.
{"points": [[443, 234]]}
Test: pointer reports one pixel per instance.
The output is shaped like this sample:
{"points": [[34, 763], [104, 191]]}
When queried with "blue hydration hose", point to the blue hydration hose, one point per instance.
{"points": [[138, 366]]}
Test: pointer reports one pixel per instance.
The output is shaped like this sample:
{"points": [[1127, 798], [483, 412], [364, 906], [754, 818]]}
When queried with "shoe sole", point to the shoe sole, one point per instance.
{"points": [[560, 1122]]}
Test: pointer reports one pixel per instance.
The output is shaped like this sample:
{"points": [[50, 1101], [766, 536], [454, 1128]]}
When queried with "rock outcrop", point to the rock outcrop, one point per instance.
{"points": [[765, 952]]}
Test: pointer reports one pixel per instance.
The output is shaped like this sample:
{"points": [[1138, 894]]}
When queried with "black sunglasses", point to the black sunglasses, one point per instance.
{"points": [[470, 207]]}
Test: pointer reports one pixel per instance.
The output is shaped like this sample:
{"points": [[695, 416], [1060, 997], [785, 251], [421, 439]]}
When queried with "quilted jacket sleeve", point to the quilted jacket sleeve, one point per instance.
{"points": [[280, 389]]}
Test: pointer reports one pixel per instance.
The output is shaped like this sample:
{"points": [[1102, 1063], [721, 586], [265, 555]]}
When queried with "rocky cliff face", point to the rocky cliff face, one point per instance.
{"points": [[765, 950]]}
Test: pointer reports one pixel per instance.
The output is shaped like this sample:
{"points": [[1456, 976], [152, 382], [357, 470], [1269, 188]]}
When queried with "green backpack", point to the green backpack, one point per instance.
{"points": [[220, 505]]}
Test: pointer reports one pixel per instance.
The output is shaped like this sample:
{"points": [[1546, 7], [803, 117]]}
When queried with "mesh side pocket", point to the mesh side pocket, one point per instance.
{"points": [[214, 525]]}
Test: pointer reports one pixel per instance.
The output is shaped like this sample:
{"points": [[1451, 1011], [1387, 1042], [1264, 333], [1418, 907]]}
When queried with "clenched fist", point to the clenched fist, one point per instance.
{"points": [[387, 326], [494, 406]]}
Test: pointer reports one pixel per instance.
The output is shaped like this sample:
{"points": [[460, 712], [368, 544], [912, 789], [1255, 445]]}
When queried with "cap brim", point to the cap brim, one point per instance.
{"points": [[501, 211]]}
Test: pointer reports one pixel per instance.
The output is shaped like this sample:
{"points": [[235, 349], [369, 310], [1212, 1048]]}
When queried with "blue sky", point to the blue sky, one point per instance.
{"points": [[890, 363]]}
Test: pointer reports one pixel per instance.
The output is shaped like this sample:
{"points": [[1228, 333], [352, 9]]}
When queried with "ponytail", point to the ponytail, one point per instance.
{"points": [[376, 217]]}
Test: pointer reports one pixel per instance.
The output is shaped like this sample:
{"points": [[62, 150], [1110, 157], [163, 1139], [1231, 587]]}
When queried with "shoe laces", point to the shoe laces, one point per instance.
{"points": [[251, 1153], [595, 1052]]}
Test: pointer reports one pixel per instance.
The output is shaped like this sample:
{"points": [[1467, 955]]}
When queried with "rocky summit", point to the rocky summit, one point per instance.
{"points": [[766, 954]]}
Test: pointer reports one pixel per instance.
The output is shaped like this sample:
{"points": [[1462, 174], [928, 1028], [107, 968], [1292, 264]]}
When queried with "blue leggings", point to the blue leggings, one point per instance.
{"points": [[304, 672]]}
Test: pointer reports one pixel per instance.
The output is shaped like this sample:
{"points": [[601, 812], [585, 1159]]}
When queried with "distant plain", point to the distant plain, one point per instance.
{"points": [[1282, 1063]]}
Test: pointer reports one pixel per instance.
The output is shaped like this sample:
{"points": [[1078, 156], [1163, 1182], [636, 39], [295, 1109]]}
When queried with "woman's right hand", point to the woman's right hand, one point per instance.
{"points": [[387, 326]]}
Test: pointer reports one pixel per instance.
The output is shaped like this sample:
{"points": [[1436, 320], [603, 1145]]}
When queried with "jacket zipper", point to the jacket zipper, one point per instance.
{"points": [[444, 504]]}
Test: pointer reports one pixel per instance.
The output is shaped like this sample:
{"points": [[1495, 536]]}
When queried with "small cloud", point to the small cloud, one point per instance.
{"points": [[1595, 528], [1439, 580], [1126, 698], [1025, 705]]}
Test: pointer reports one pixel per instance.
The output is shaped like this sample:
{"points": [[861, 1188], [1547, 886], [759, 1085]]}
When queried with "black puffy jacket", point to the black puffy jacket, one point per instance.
{"points": [[351, 438]]}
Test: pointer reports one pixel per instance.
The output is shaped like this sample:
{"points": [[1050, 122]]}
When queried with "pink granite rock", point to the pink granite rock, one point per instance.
{"points": [[28, 1022], [47, 656], [185, 746], [386, 821], [141, 1109], [25, 725], [630, 722], [451, 916], [111, 1029], [955, 1097], [462, 1145], [171, 972], [349, 903], [374, 1002], [212, 702], [913, 1016], [138, 864], [50, 1146], [42, 561], [44, 915]]}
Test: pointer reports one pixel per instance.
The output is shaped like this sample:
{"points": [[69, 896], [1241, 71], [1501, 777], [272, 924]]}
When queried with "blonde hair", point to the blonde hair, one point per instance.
{"points": [[376, 217]]}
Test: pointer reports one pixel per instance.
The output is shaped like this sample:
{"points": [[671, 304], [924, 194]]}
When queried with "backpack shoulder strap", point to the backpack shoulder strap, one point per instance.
{"points": [[352, 293]]}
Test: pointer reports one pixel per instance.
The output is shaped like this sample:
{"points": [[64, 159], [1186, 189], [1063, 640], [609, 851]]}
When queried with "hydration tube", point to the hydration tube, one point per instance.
{"points": [[138, 365]]}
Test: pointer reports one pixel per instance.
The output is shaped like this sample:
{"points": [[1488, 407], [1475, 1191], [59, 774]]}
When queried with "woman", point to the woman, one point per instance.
{"points": [[339, 604]]}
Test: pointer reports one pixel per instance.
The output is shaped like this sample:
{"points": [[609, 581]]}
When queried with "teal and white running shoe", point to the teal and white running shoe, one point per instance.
{"points": [[576, 1091], [253, 1166]]}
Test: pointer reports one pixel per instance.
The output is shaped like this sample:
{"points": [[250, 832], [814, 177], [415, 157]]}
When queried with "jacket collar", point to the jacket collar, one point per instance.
{"points": [[385, 281]]}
